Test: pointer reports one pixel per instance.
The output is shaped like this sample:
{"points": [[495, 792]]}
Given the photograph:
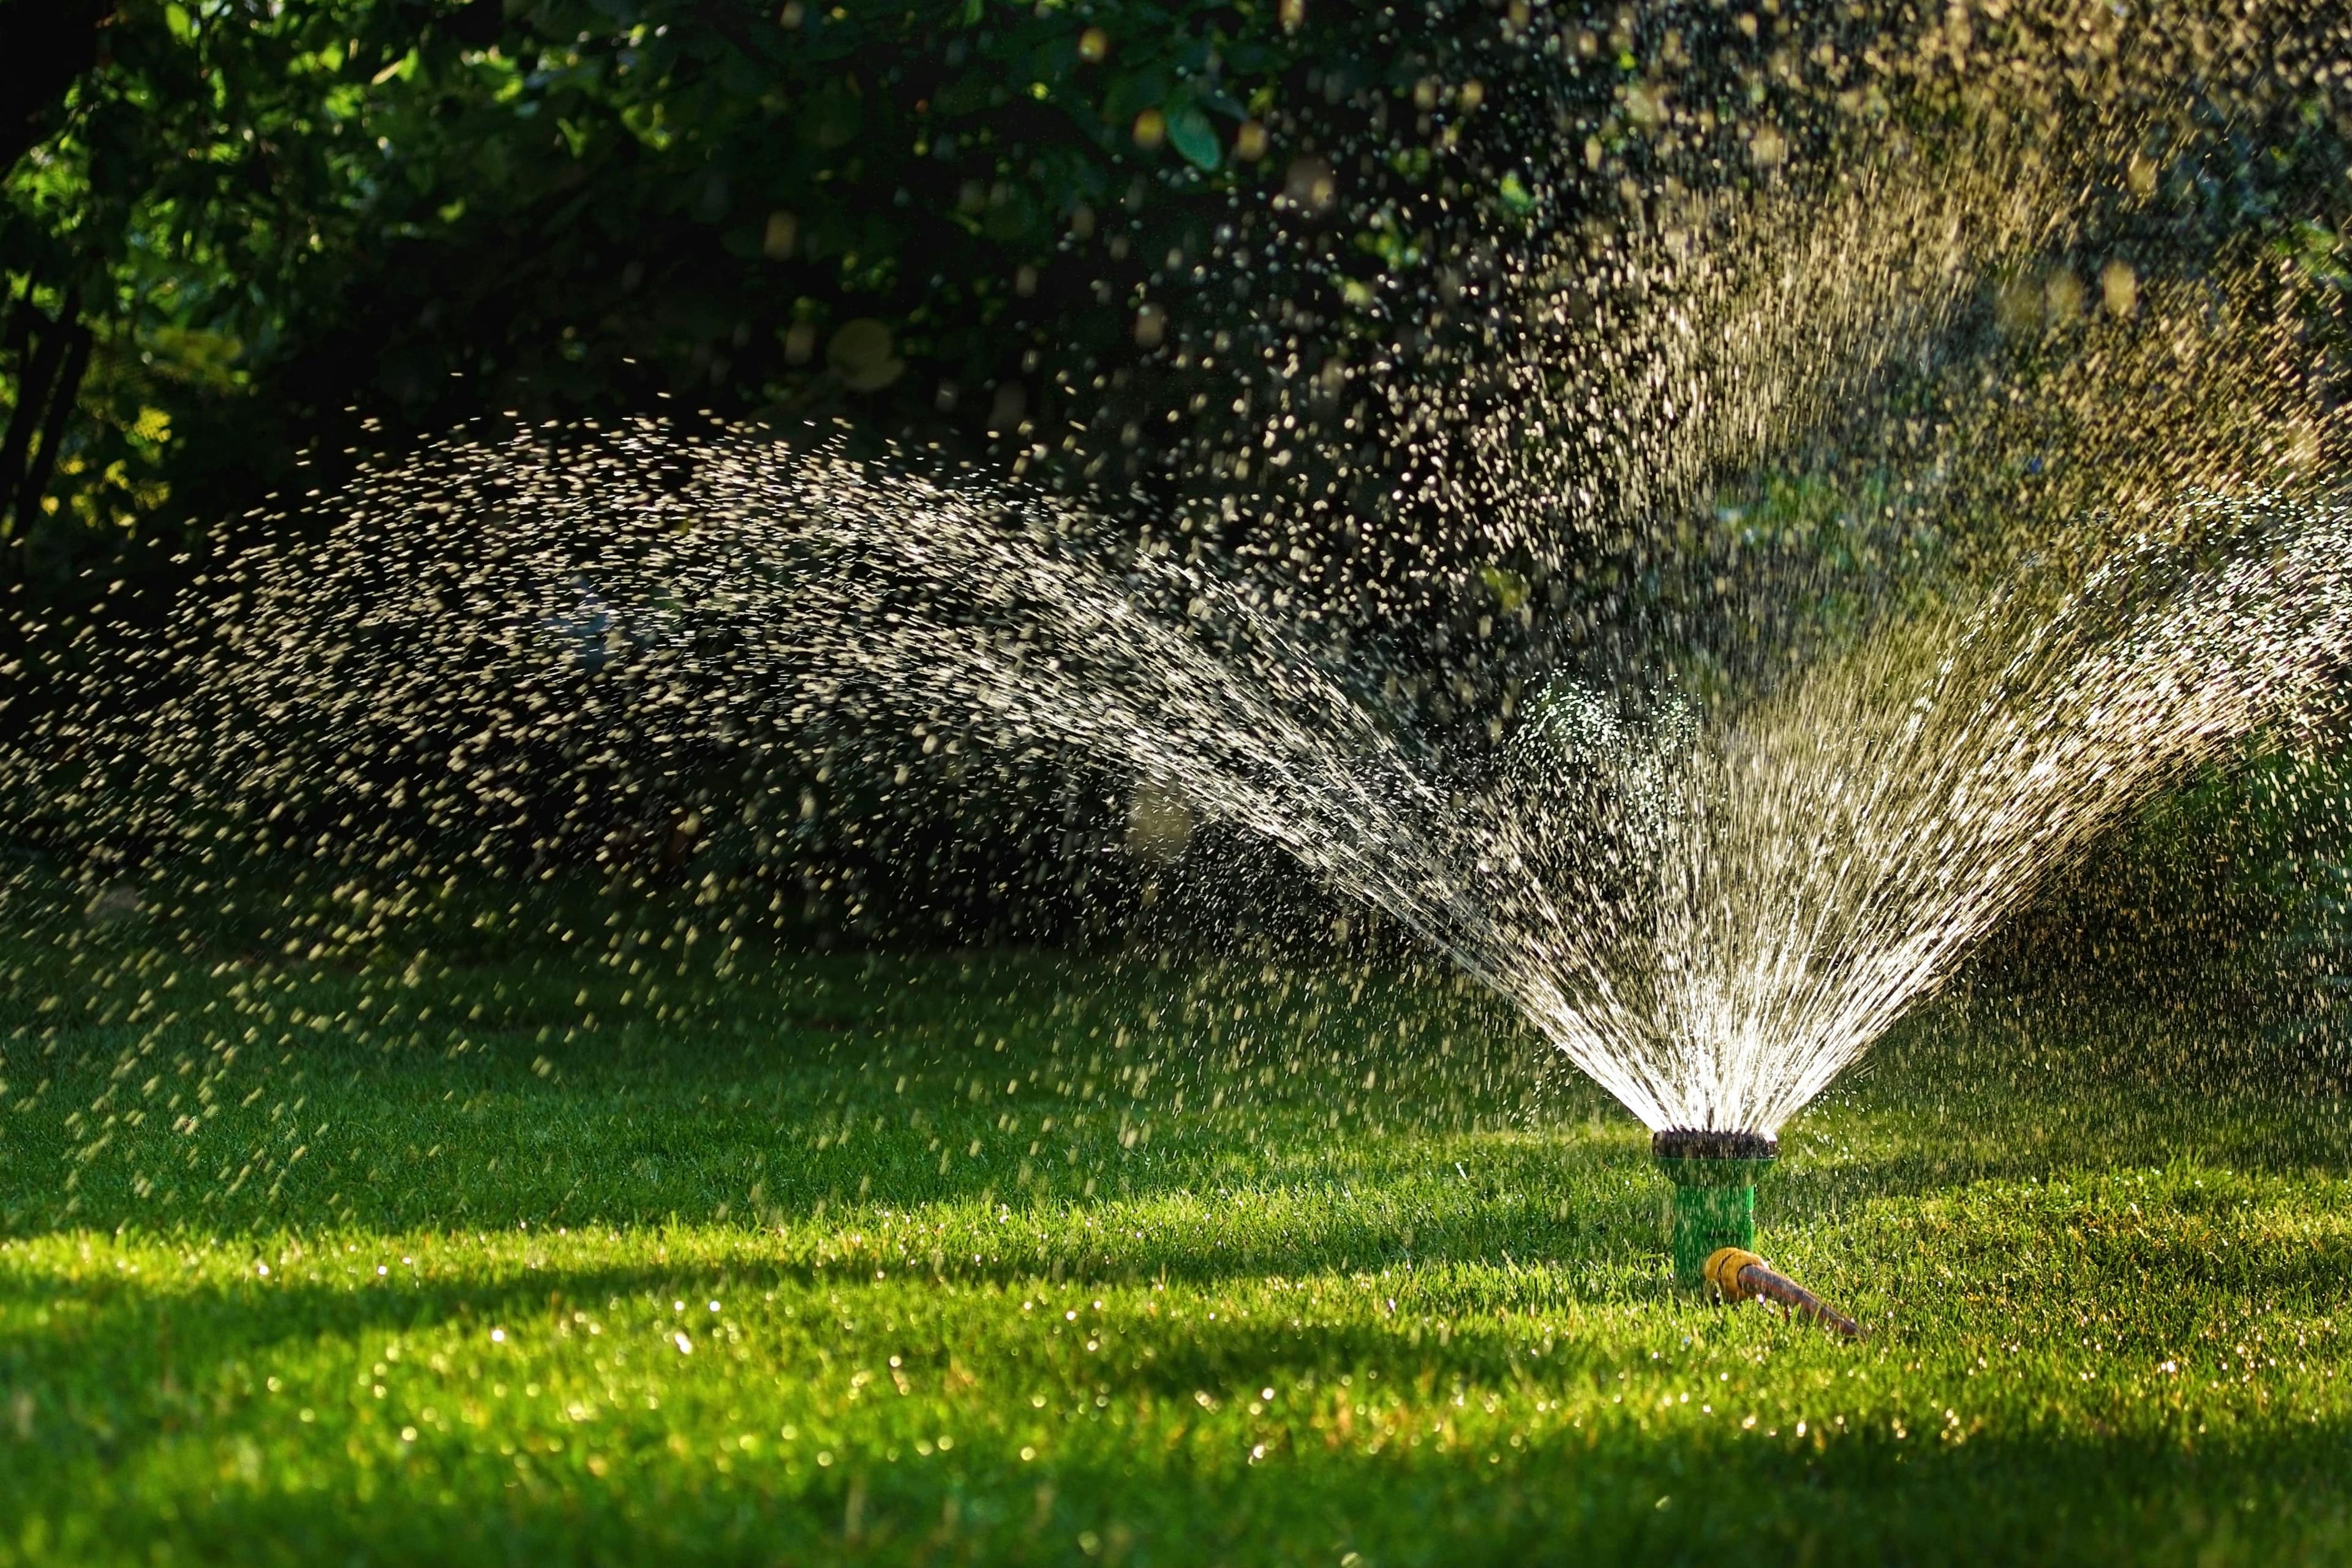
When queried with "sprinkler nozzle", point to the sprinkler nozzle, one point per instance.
{"points": [[1736, 1274], [1707, 1143]]}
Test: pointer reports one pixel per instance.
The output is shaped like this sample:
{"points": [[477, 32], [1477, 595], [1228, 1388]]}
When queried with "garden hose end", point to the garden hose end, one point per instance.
{"points": [[1735, 1274], [1722, 1269]]}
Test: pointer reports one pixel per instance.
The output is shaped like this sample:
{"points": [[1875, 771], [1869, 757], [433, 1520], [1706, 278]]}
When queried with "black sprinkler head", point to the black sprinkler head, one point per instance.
{"points": [[1701, 1144]]}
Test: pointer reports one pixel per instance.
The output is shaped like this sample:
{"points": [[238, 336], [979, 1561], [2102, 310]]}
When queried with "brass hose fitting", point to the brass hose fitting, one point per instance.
{"points": [[1735, 1274]]}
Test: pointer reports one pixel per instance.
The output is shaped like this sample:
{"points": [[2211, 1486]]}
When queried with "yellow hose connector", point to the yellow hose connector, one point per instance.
{"points": [[1735, 1274], [1722, 1270]]}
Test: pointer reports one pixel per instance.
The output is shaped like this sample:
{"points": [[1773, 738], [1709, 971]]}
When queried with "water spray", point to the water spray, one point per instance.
{"points": [[1715, 1176]]}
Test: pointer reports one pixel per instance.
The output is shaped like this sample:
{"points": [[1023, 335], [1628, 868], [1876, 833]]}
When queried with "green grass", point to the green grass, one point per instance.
{"points": [[928, 1261]]}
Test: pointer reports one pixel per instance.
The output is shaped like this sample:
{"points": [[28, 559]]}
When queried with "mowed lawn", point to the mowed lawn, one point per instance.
{"points": [[1030, 1260]]}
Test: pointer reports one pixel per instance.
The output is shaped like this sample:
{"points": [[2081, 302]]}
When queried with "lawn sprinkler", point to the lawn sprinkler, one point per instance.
{"points": [[1715, 1176]]}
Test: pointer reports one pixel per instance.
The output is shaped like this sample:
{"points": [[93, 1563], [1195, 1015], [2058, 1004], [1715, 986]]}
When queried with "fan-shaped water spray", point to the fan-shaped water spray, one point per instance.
{"points": [[1711, 910]]}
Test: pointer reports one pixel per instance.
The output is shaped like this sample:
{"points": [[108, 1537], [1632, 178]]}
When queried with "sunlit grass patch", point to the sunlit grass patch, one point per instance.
{"points": [[1038, 1263]]}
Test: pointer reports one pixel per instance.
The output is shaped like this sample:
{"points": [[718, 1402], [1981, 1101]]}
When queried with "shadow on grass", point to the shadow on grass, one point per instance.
{"points": [[592, 1162], [1457, 1275], [1553, 1268], [429, 1144]]}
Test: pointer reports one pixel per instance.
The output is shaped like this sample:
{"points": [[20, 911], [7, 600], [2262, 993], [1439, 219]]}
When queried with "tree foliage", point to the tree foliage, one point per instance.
{"points": [[255, 227]]}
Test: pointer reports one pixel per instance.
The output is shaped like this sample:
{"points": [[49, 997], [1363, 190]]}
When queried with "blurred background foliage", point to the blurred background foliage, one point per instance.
{"points": [[245, 231], [243, 241]]}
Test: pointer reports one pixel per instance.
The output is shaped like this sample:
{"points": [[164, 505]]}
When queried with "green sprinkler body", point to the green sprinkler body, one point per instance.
{"points": [[1715, 1176]]}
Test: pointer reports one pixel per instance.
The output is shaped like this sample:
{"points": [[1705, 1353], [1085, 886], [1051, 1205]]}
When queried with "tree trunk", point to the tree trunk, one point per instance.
{"points": [[53, 430], [46, 386]]}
